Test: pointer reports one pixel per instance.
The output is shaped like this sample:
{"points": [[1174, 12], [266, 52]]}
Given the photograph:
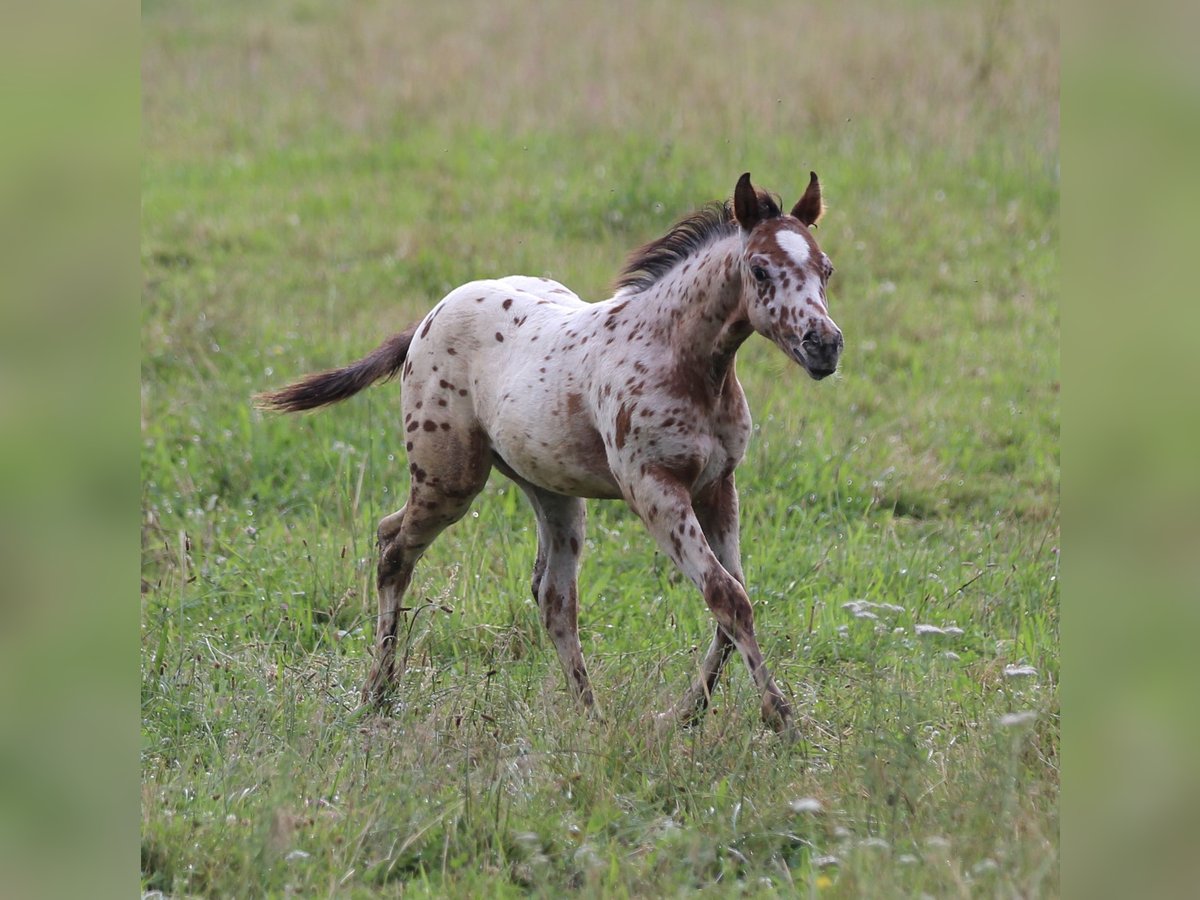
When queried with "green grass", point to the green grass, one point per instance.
{"points": [[316, 178]]}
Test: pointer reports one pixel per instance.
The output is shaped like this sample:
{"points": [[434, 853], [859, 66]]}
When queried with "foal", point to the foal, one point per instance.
{"points": [[633, 398]]}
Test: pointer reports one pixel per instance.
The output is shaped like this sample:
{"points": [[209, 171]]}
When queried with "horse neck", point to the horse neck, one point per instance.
{"points": [[702, 300]]}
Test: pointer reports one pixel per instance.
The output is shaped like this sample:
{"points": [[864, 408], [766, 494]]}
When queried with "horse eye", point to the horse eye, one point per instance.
{"points": [[759, 273]]}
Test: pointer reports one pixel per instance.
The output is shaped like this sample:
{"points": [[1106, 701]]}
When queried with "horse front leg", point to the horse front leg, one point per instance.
{"points": [[717, 512], [664, 504]]}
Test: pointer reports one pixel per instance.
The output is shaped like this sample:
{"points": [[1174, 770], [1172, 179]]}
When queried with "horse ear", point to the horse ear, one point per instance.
{"points": [[745, 203], [809, 207]]}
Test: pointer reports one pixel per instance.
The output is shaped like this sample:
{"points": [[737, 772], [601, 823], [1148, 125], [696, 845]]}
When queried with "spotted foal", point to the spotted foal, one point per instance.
{"points": [[633, 398]]}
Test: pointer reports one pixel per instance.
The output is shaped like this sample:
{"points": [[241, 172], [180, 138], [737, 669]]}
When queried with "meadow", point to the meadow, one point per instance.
{"points": [[316, 176]]}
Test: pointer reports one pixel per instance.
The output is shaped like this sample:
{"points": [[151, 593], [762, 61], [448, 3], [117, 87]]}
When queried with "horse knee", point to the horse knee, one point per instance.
{"points": [[396, 559], [729, 604], [389, 527]]}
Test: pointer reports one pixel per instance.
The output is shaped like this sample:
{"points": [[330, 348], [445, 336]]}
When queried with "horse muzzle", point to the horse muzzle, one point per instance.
{"points": [[819, 354]]}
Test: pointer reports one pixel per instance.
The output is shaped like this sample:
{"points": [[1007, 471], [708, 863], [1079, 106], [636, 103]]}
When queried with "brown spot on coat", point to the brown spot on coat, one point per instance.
{"points": [[624, 417], [589, 450]]}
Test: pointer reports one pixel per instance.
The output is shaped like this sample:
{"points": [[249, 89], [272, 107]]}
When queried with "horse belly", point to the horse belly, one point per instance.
{"points": [[566, 459]]}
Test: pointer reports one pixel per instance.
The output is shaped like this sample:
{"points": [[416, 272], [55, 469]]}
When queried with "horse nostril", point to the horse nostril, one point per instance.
{"points": [[826, 343]]}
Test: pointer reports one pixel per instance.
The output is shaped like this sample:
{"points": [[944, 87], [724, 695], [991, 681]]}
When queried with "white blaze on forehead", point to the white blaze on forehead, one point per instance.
{"points": [[794, 245]]}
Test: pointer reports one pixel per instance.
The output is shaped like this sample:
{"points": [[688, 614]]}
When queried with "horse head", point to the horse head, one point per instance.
{"points": [[785, 274]]}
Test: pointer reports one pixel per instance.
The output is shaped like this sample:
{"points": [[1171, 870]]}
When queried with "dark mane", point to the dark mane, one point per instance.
{"points": [[652, 261]]}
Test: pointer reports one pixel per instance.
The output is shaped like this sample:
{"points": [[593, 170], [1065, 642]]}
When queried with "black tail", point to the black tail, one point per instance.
{"points": [[324, 388]]}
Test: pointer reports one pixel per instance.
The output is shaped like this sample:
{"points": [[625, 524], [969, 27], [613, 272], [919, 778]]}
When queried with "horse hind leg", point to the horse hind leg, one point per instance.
{"points": [[558, 592], [561, 521], [422, 519], [394, 574], [438, 498]]}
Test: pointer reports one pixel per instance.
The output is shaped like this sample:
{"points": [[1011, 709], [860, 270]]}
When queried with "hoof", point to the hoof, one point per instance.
{"points": [[377, 692], [662, 726], [777, 713], [373, 702], [789, 734], [591, 709]]}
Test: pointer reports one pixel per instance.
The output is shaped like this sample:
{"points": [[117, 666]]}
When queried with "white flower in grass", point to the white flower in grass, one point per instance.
{"points": [[985, 866], [806, 805], [1017, 719], [1020, 672], [929, 630], [528, 841], [854, 607], [587, 858], [869, 609]]}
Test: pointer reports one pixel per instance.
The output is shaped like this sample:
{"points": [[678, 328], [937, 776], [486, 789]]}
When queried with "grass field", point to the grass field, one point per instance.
{"points": [[316, 176]]}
